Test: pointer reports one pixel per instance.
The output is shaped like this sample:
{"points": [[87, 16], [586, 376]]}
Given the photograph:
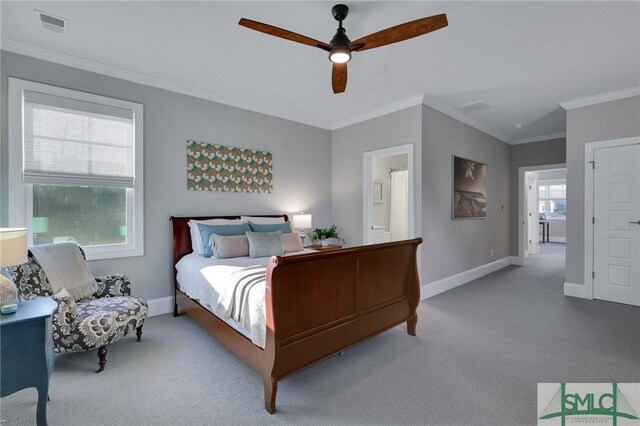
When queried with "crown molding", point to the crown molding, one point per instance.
{"points": [[379, 112], [453, 112], [540, 138], [603, 97], [92, 66]]}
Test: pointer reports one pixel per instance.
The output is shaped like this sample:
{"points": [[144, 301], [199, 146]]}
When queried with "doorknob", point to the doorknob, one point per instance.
{"points": [[637, 223]]}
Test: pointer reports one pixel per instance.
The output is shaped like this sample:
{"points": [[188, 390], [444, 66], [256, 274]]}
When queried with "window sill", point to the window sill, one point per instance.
{"points": [[106, 252]]}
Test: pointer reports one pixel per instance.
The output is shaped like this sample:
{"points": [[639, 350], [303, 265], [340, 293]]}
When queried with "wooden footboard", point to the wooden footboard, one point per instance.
{"points": [[317, 304], [322, 303]]}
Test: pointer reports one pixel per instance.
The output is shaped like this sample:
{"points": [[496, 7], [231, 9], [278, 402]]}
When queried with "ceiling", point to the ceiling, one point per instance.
{"points": [[521, 58]]}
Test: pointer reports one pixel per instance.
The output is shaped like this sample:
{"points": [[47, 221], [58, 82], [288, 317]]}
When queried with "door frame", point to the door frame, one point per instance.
{"points": [[367, 186], [589, 153], [522, 218]]}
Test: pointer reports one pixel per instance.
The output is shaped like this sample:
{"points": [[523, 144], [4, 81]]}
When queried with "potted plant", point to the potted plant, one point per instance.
{"points": [[324, 234]]}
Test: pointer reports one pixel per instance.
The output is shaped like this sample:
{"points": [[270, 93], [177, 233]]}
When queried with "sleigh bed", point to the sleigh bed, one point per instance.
{"points": [[316, 304]]}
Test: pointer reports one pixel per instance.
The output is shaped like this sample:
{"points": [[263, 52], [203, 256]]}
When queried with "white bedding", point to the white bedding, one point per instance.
{"points": [[210, 281]]}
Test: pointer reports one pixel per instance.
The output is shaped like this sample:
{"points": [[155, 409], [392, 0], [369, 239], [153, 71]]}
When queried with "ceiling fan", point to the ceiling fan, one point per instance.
{"points": [[340, 47]]}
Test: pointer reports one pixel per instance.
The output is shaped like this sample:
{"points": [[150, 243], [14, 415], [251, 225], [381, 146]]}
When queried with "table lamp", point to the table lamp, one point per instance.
{"points": [[302, 221], [13, 251]]}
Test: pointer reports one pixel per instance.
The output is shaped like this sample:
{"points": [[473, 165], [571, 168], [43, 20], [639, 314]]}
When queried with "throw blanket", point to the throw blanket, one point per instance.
{"points": [[65, 268], [242, 299]]}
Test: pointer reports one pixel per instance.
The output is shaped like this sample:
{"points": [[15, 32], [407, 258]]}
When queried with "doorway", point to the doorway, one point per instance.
{"points": [[541, 211], [388, 195], [612, 220]]}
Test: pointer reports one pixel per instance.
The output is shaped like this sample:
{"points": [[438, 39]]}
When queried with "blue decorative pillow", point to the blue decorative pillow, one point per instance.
{"points": [[284, 227], [263, 244], [226, 230]]}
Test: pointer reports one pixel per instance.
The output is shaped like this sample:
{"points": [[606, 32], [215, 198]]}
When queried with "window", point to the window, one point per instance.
{"points": [[552, 196], [75, 169]]}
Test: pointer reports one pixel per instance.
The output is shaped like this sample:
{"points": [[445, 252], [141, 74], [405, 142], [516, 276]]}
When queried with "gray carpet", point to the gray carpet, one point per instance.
{"points": [[480, 351]]}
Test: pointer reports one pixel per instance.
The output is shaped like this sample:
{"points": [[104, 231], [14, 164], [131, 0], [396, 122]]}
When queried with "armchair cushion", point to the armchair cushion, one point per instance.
{"points": [[100, 322], [113, 285], [30, 279]]}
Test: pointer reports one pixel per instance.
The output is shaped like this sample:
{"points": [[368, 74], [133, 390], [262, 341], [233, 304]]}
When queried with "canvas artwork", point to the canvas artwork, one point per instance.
{"points": [[469, 198], [212, 167]]}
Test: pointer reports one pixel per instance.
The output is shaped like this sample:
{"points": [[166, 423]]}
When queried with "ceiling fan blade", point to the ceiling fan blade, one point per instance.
{"points": [[282, 33], [339, 78], [401, 32]]}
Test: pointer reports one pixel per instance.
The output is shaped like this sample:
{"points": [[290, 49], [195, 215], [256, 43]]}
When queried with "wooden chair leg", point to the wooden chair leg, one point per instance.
{"points": [[139, 333], [412, 323], [102, 358], [270, 391]]}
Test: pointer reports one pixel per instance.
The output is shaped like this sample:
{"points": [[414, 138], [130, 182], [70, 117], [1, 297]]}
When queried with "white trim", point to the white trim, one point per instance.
{"points": [[557, 239], [367, 188], [601, 98], [540, 138], [19, 191], [111, 71], [576, 290], [589, 152], [379, 112], [522, 220], [436, 287], [160, 306], [452, 112], [515, 260]]}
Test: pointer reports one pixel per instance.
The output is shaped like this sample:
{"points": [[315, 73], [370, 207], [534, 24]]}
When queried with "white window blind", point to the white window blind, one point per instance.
{"points": [[73, 142]]}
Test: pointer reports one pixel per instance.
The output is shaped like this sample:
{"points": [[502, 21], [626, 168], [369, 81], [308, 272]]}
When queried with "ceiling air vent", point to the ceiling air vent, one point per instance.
{"points": [[50, 22], [473, 106]]}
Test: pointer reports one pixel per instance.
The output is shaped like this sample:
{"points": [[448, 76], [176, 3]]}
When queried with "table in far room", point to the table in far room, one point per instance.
{"points": [[545, 230], [27, 351]]}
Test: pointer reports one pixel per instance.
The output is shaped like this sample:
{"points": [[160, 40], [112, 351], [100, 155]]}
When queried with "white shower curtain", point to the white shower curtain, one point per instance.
{"points": [[399, 205]]}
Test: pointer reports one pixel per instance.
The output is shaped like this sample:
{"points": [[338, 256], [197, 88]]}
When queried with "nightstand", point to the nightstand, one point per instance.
{"points": [[320, 247], [26, 350]]}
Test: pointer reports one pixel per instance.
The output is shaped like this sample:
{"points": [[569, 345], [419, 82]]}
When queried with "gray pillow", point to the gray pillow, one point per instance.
{"points": [[225, 247], [263, 244]]}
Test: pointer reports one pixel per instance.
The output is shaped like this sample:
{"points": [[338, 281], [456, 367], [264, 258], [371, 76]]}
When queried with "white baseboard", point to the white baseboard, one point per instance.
{"points": [[576, 290], [440, 286], [160, 306], [557, 239], [515, 260]]}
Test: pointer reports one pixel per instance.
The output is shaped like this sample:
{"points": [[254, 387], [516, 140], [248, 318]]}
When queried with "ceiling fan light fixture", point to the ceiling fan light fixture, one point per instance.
{"points": [[340, 55]]}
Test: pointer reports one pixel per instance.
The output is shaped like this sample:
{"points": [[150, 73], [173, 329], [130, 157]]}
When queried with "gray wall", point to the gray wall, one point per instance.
{"points": [[347, 148], [454, 246], [301, 162], [525, 155], [609, 120]]}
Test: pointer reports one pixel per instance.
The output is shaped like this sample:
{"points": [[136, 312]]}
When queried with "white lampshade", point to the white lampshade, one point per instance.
{"points": [[301, 221], [13, 246]]}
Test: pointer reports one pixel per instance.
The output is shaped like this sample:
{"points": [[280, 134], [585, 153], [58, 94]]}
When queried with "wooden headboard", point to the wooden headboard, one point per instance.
{"points": [[182, 234]]}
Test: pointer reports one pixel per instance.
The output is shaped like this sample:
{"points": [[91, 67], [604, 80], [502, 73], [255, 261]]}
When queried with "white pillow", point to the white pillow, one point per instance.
{"points": [[196, 237], [262, 220]]}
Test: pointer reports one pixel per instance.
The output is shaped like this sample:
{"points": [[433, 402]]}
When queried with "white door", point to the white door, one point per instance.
{"points": [[616, 232], [533, 223]]}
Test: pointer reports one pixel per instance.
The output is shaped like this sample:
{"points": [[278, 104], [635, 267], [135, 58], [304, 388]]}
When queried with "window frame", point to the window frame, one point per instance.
{"points": [[21, 193], [547, 183]]}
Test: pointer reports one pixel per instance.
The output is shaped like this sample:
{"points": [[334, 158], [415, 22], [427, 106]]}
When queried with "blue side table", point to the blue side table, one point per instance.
{"points": [[27, 351]]}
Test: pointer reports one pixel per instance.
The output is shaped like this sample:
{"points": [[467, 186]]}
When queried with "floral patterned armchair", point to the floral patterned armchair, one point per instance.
{"points": [[92, 323]]}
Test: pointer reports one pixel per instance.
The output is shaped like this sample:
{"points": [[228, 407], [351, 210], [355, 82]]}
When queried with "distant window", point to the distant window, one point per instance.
{"points": [[76, 170], [553, 198]]}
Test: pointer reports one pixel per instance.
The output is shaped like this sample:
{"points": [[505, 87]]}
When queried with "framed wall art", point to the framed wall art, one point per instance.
{"points": [[469, 195], [212, 167]]}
